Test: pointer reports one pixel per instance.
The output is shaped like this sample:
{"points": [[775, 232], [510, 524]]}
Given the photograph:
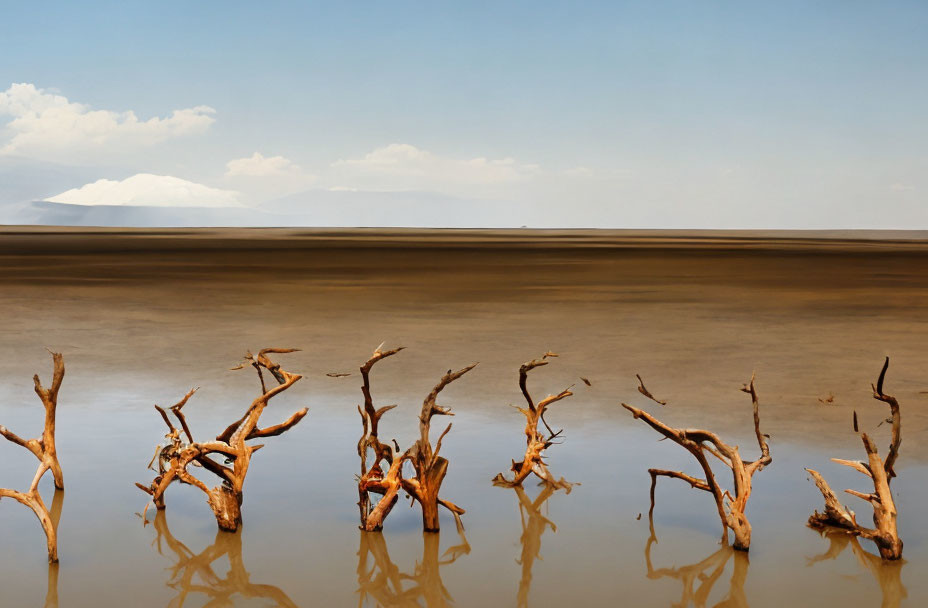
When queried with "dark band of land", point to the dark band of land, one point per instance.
{"points": [[55, 239]]}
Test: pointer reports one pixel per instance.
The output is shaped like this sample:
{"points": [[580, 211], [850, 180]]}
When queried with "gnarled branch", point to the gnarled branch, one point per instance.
{"points": [[429, 467], [884, 533], [45, 450], [536, 440], [230, 446], [698, 442]]}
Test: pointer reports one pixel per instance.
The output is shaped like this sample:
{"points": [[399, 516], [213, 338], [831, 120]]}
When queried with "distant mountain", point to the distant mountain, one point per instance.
{"points": [[62, 214], [23, 180]]}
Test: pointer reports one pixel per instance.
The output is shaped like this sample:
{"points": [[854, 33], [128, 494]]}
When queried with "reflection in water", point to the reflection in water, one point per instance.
{"points": [[887, 573], [534, 525], [706, 572], [194, 573], [51, 596], [387, 586]]}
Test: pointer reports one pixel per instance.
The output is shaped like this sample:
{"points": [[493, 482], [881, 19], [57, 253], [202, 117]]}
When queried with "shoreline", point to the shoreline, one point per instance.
{"points": [[37, 239]]}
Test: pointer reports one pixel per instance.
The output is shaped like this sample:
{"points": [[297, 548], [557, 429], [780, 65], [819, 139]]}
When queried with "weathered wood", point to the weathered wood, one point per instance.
{"points": [[429, 467], [698, 442], [536, 440], [881, 472], [45, 450], [372, 478], [230, 446]]}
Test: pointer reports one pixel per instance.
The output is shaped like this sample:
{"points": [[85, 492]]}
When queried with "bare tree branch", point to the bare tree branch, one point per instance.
{"points": [[45, 450], [698, 442], [230, 446], [536, 442], [885, 533]]}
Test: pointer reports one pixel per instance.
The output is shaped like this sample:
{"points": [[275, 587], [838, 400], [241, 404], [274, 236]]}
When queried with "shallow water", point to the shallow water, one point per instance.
{"points": [[142, 319]]}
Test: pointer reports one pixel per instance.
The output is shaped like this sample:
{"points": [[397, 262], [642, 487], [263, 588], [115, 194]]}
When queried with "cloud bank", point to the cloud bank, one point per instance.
{"points": [[145, 189], [48, 126], [258, 165], [406, 167]]}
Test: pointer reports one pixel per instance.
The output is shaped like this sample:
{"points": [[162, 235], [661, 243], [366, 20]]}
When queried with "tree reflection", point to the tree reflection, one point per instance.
{"points": [[51, 595], [699, 578], [194, 573], [386, 585], [887, 573], [534, 525]]}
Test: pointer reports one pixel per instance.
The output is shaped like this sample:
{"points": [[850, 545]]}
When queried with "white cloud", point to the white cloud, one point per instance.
{"points": [[406, 167], [148, 190], [258, 165], [48, 126], [579, 172], [901, 188]]}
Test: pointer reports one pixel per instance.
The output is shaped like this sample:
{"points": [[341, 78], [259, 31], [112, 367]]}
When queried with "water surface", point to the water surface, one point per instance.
{"points": [[143, 317]]}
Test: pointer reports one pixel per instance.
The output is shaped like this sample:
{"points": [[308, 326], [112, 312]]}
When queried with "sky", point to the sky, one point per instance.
{"points": [[663, 114]]}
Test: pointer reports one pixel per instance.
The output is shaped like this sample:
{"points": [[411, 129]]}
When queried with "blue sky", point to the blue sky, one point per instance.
{"points": [[648, 114]]}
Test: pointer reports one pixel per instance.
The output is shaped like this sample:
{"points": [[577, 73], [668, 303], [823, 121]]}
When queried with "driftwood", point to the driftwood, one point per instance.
{"points": [[534, 524], [537, 440], [43, 448], [195, 574], [429, 467], [373, 479], [386, 585], [699, 443], [182, 451], [887, 573], [881, 472]]}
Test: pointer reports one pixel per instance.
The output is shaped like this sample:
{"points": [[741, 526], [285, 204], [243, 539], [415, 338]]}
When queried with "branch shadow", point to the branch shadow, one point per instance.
{"points": [[887, 573], [699, 578], [534, 525], [381, 581], [51, 594], [195, 573]]}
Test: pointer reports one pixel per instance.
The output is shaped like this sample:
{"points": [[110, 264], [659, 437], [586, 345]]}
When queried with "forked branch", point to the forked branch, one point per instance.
{"points": [[372, 478], [698, 442], [44, 449], [230, 447], [429, 467], [384, 475], [881, 472], [536, 440]]}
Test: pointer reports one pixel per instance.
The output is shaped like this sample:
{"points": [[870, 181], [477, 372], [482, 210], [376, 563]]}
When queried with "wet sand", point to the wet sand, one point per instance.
{"points": [[142, 316]]}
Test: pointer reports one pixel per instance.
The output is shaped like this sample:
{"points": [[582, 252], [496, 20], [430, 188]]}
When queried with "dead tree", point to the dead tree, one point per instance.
{"points": [[537, 441], [230, 446], [429, 467], [373, 479], [43, 448], [884, 532], [699, 443]]}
